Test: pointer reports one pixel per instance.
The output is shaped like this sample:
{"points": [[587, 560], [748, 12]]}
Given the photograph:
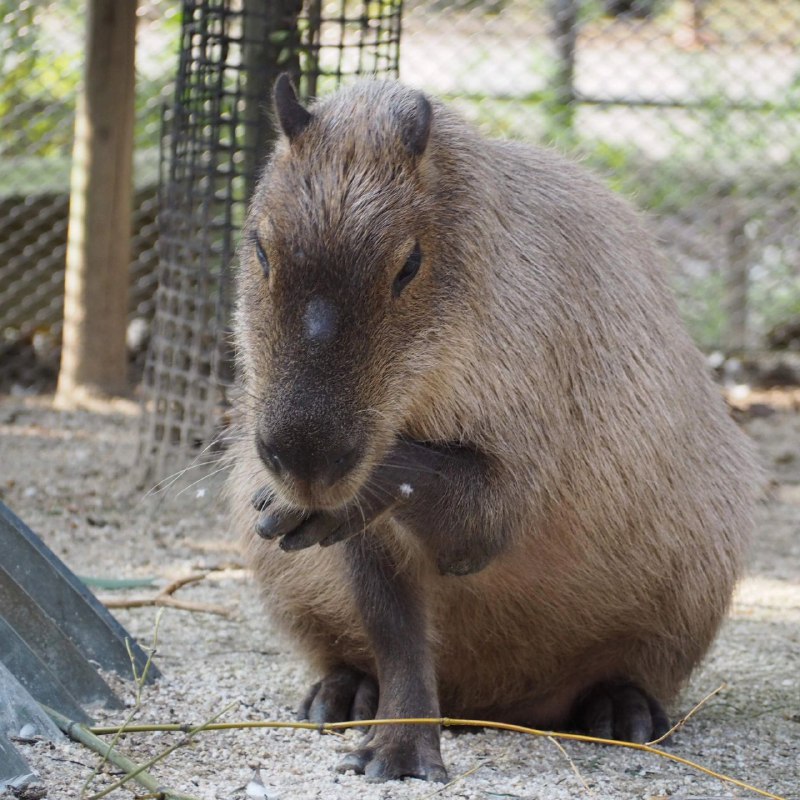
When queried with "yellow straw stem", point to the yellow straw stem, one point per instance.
{"points": [[329, 727]]}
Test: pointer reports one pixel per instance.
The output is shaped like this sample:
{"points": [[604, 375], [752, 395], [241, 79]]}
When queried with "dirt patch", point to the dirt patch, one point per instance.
{"points": [[70, 476]]}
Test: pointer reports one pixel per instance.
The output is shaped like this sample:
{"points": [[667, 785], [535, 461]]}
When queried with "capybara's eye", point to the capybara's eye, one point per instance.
{"points": [[262, 256], [409, 270]]}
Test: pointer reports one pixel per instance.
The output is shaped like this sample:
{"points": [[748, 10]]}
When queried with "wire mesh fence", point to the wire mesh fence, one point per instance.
{"points": [[41, 62], [218, 133], [689, 107]]}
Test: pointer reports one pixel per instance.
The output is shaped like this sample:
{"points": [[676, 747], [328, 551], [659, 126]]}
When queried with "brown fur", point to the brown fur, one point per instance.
{"points": [[540, 330]]}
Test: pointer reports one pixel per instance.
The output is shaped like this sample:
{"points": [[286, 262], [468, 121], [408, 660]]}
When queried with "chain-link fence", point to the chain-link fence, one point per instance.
{"points": [[689, 107], [41, 62]]}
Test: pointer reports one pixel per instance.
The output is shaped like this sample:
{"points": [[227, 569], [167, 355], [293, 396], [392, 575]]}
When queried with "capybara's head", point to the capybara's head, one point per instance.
{"points": [[344, 295]]}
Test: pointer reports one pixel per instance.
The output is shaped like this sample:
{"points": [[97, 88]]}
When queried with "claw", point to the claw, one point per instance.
{"points": [[354, 762], [271, 526], [343, 694], [308, 533], [393, 759], [262, 498]]}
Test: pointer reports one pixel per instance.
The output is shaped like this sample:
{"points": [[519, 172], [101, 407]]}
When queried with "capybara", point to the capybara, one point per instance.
{"points": [[481, 468]]}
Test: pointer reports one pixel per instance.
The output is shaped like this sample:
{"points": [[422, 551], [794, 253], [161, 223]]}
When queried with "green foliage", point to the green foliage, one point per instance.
{"points": [[722, 154], [701, 302], [775, 289], [39, 76], [42, 46]]}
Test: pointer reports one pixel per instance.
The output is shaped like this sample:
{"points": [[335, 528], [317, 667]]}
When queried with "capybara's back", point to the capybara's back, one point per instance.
{"points": [[465, 377]]}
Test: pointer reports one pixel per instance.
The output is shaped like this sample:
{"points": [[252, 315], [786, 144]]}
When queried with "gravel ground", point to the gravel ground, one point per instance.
{"points": [[69, 475]]}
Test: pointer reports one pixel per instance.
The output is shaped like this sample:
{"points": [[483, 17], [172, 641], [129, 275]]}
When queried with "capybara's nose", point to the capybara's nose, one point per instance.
{"points": [[308, 459]]}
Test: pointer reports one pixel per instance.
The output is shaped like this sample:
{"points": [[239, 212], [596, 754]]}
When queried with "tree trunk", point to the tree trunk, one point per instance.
{"points": [[93, 360]]}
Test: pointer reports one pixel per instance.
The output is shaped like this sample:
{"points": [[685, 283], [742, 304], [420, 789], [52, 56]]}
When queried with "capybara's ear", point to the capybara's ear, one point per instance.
{"points": [[292, 115], [416, 125]]}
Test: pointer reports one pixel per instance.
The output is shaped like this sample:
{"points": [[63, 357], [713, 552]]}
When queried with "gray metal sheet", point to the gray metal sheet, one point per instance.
{"points": [[18, 711], [43, 683], [20, 714], [63, 598], [14, 770], [43, 638]]}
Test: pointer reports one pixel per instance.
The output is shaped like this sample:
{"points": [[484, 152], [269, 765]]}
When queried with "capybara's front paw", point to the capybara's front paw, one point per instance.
{"points": [[298, 529], [295, 528], [387, 755]]}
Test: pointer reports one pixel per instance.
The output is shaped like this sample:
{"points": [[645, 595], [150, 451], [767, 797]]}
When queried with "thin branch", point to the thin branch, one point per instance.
{"points": [[446, 722], [139, 681], [161, 601], [179, 583], [572, 764], [684, 719], [140, 769], [165, 599], [80, 733]]}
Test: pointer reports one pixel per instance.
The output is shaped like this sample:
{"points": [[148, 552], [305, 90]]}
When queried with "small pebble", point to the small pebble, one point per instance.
{"points": [[258, 791], [739, 392]]}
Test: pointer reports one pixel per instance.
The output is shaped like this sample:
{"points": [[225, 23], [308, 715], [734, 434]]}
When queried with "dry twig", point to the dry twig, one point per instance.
{"points": [[141, 769], [446, 722], [573, 765], [684, 719], [139, 681], [165, 599], [81, 734], [455, 780]]}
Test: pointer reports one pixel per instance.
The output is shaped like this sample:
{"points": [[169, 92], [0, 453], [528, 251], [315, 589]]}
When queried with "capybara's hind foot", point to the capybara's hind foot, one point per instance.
{"points": [[343, 694], [619, 710], [394, 754]]}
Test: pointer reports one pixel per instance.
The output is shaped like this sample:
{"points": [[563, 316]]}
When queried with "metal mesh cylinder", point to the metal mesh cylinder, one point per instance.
{"points": [[217, 134]]}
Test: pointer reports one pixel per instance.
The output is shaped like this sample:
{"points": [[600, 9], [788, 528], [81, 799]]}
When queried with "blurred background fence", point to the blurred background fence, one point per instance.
{"points": [[42, 45], [689, 107]]}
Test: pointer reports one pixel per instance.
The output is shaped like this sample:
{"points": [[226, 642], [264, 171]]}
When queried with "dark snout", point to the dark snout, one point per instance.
{"points": [[310, 459]]}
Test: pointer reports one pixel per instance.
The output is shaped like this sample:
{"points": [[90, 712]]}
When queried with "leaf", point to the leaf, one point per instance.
{"points": [[117, 583]]}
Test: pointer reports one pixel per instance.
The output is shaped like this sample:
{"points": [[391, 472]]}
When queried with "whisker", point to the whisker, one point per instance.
{"points": [[413, 468], [360, 508], [204, 478], [440, 450], [166, 483]]}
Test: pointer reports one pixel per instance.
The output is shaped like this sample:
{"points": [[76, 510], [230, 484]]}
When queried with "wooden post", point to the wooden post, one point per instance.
{"points": [[93, 359]]}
